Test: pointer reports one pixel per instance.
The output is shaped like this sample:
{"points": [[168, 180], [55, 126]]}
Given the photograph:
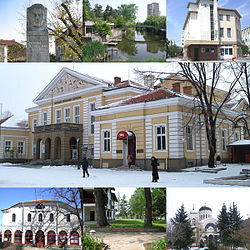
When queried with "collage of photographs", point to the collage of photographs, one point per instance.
{"points": [[125, 125]]}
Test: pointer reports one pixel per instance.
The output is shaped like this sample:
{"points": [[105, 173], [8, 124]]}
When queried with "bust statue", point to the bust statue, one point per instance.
{"points": [[36, 18]]}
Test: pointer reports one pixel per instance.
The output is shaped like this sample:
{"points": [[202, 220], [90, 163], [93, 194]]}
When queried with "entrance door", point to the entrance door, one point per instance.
{"points": [[40, 240], [132, 147], [196, 54], [92, 215]]}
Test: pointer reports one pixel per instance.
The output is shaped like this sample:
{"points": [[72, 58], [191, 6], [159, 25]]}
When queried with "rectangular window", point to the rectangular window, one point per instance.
{"points": [[106, 140], [228, 17], [33, 147], [237, 136], [34, 124], [221, 17], [45, 118], [68, 217], [8, 145], [221, 32], [212, 21], [160, 137], [91, 149], [224, 139], [189, 138], [77, 114], [58, 115], [92, 119], [20, 147], [228, 32], [67, 115]]}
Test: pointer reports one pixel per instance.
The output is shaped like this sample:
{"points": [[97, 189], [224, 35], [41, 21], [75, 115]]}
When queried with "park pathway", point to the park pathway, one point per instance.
{"points": [[131, 241]]}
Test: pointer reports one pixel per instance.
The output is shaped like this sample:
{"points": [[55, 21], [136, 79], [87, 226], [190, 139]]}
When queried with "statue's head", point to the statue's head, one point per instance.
{"points": [[37, 17]]}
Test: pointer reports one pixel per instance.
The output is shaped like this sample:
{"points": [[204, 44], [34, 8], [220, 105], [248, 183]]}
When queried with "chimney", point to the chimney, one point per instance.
{"points": [[176, 87], [117, 80], [187, 90]]}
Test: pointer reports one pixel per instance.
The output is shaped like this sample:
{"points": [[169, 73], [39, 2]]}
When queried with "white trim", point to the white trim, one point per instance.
{"points": [[23, 147], [113, 92], [64, 114], [60, 116], [11, 143], [149, 138], [102, 142], [45, 112], [33, 127], [15, 136], [85, 121], [155, 139], [226, 139], [192, 129], [114, 140], [97, 142], [89, 118], [79, 113]]}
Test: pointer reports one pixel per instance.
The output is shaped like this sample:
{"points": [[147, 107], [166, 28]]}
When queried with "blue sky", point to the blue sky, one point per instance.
{"points": [[177, 11], [12, 24]]}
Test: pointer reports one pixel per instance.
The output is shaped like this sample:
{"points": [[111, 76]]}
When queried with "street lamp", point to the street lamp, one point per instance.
{"points": [[78, 153]]}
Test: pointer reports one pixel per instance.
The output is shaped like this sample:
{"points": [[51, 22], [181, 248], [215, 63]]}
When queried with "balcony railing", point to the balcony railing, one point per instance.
{"points": [[59, 126]]}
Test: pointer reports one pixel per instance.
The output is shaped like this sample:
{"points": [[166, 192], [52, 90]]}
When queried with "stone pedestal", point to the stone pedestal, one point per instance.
{"points": [[37, 34]]}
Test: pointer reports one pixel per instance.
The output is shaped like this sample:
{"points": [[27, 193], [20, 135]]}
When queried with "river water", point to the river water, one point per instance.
{"points": [[139, 45]]}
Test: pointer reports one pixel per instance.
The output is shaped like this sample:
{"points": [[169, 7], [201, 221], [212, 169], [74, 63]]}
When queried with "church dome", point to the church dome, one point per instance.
{"points": [[203, 208]]}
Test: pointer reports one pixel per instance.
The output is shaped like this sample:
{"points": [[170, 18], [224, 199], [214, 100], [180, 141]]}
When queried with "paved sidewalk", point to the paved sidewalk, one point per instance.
{"points": [[131, 241]]}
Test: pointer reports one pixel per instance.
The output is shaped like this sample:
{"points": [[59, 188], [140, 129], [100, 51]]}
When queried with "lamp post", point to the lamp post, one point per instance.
{"points": [[78, 153]]}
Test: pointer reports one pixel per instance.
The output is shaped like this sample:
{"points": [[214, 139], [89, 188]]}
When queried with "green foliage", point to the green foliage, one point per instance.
{"points": [[16, 52], [120, 21], [128, 12], [159, 202], [245, 49], [90, 243], [110, 14], [123, 207], [212, 245], [98, 11], [154, 20], [174, 51], [159, 245], [229, 224], [102, 28], [94, 51], [182, 229], [137, 203]]}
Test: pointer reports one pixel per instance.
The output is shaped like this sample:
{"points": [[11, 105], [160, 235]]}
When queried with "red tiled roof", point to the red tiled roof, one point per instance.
{"points": [[151, 96], [128, 83], [9, 42], [5, 119]]}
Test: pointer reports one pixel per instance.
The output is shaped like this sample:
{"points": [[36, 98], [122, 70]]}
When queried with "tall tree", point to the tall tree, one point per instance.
{"points": [[223, 225], [182, 229], [148, 208], [159, 203], [98, 11], [123, 207], [137, 203], [128, 12], [101, 218]]}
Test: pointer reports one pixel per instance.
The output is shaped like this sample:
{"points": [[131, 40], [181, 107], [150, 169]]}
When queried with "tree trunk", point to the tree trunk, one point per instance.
{"points": [[101, 218], [81, 220], [148, 211]]}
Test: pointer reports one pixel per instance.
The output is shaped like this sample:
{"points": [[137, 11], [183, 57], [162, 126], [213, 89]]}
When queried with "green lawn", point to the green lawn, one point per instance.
{"points": [[134, 223]]}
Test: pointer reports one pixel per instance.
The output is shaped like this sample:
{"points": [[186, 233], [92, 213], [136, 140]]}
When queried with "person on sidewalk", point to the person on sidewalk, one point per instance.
{"points": [[154, 164], [85, 166], [130, 160]]}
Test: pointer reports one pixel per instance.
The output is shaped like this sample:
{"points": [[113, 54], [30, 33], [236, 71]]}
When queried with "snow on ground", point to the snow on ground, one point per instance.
{"points": [[69, 176]]}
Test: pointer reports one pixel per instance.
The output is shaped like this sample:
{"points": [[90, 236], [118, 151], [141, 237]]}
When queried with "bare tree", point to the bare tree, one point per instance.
{"points": [[23, 124], [206, 78], [148, 208]]}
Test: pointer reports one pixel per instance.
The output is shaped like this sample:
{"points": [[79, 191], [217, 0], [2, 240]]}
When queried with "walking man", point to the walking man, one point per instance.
{"points": [[85, 166]]}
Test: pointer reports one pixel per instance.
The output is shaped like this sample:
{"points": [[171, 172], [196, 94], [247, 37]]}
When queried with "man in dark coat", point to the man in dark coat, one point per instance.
{"points": [[85, 166], [154, 164]]}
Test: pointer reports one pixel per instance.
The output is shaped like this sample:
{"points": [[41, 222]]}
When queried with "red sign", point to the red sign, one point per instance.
{"points": [[122, 135]]}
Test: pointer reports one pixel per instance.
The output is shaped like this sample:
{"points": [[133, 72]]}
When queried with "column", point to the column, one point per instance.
{"points": [[85, 120], [149, 139], [113, 140]]}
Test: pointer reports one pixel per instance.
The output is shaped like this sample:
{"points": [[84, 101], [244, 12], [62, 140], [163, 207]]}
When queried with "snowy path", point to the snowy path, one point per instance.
{"points": [[69, 176]]}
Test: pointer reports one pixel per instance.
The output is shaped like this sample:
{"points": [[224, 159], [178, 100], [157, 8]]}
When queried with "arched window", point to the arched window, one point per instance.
{"points": [[62, 239], [74, 238], [51, 238], [29, 217], [13, 217], [40, 217], [7, 236], [68, 217], [18, 237], [28, 237], [51, 217]]}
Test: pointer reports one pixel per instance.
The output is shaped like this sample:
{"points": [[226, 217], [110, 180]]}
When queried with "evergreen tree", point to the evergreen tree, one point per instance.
{"points": [[123, 207], [223, 225], [182, 229], [235, 221]]}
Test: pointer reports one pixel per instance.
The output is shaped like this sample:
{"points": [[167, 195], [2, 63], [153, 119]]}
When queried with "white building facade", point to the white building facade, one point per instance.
{"points": [[211, 32], [246, 35], [40, 223], [204, 225]]}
